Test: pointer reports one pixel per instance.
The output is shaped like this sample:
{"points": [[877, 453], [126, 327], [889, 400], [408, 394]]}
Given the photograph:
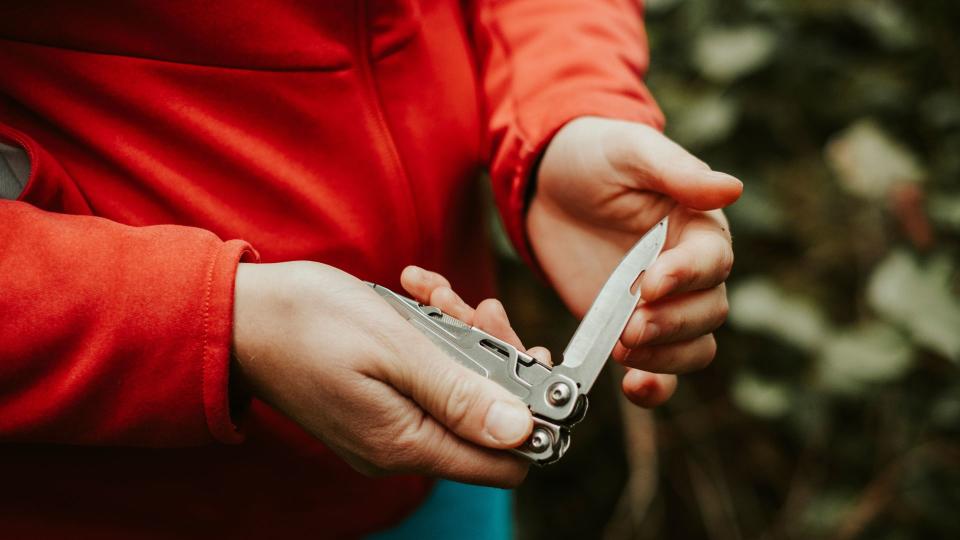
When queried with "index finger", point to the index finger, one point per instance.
{"points": [[701, 259], [433, 289], [421, 283]]}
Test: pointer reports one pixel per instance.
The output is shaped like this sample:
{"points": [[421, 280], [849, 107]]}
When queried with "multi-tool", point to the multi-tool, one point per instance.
{"points": [[556, 395]]}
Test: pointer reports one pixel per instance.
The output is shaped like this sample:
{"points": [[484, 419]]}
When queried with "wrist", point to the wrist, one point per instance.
{"points": [[276, 308], [239, 389], [262, 303], [267, 300], [245, 295]]}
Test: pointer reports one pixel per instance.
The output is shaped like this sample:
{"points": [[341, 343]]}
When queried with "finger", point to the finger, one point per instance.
{"points": [[432, 288], [427, 448], [702, 258], [696, 188], [648, 389], [492, 318], [676, 358], [432, 450], [473, 407], [635, 212], [542, 355], [449, 302], [677, 318], [661, 165], [421, 283]]}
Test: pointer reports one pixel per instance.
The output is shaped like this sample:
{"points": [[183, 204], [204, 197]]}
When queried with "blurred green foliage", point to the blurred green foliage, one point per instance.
{"points": [[833, 408]]}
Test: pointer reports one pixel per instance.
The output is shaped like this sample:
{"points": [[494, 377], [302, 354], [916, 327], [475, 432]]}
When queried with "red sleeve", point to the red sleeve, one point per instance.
{"points": [[544, 63], [111, 334]]}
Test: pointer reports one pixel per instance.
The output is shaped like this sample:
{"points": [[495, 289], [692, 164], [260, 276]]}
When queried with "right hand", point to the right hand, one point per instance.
{"points": [[324, 349]]}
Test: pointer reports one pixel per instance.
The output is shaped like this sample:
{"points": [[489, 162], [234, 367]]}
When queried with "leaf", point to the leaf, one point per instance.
{"points": [[945, 412], [919, 299], [760, 305], [725, 54], [941, 109], [887, 21], [761, 397], [659, 6], [868, 161], [825, 512], [945, 211], [704, 120], [756, 212], [872, 353]]}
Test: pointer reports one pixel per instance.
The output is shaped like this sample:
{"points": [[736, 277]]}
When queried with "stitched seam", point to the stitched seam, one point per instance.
{"points": [[204, 366]]}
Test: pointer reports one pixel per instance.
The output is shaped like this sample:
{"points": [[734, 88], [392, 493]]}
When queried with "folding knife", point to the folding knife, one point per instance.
{"points": [[556, 395]]}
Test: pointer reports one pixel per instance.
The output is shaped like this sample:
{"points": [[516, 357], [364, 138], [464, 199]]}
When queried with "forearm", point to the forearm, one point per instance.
{"points": [[543, 64], [121, 334]]}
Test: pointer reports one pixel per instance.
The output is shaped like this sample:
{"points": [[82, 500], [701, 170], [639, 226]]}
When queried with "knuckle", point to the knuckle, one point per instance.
{"points": [[384, 457], [682, 275], [640, 357], [633, 333], [679, 325], [443, 298], [460, 400], [396, 456], [723, 309], [705, 358], [403, 447], [726, 260], [633, 339]]}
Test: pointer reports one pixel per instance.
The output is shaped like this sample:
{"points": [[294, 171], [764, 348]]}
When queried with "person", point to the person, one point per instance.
{"points": [[193, 192]]}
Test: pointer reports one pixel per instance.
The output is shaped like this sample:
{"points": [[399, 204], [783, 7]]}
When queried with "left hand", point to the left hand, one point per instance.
{"points": [[602, 184]]}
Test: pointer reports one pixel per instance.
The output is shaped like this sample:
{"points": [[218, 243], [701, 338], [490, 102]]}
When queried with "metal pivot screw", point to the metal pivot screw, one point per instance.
{"points": [[539, 440], [558, 394]]}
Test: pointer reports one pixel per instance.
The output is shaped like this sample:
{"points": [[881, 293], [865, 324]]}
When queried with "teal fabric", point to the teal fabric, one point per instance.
{"points": [[459, 511]]}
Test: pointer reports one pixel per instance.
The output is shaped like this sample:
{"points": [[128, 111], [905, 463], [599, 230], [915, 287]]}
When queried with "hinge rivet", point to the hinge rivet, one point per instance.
{"points": [[558, 394], [539, 440]]}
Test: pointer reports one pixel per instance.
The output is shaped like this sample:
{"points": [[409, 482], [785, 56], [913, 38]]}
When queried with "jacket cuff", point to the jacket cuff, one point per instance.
{"points": [[217, 349], [522, 150]]}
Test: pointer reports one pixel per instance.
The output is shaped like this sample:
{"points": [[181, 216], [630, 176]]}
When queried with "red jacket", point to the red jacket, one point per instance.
{"points": [[346, 132]]}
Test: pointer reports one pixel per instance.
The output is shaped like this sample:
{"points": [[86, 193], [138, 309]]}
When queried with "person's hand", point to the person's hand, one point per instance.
{"points": [[323, 348], [601, 184]]}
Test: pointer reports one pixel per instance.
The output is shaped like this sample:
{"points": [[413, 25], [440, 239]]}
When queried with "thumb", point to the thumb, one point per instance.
{"points": [[665, 167], [699, 189], [473, 407]]}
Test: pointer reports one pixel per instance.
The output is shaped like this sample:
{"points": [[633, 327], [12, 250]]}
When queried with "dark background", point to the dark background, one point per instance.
{"points": [[833, 407]]}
